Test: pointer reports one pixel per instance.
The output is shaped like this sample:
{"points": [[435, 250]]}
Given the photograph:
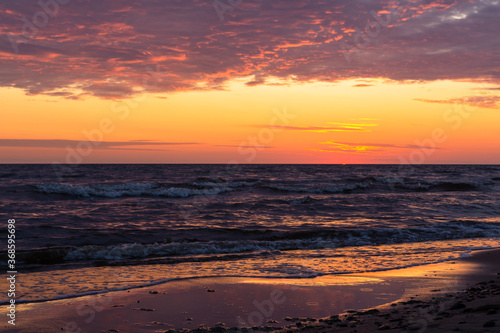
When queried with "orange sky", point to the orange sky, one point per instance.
{"points": [[379, 122], [296, 81]]}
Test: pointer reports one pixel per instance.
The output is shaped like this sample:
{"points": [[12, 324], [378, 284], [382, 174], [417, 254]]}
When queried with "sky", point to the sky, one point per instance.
{"points": [[241, 81]]}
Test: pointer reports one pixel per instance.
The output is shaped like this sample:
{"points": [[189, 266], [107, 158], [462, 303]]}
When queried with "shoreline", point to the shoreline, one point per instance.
{"points": [[475, 308], [317, 304]]}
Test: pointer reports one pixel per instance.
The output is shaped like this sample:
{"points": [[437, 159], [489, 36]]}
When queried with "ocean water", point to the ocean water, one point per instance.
{"points": [[95, 228]]}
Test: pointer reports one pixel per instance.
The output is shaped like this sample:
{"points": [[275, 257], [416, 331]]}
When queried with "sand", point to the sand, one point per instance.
{"points": [[461, 295]]}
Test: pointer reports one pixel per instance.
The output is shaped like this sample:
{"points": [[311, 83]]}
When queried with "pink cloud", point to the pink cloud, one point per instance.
{"points": [[118, 40], [487, 102]]}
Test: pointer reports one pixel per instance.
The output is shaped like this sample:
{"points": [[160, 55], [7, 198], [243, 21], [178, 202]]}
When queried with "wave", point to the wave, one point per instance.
{"points": [[291, 241], [211, 180], [127, 189], [7, 175], [281, 271], [426, 185], [284, 274], [451, 186], [318, 190], [74, 175], [265, 242], [218, 185], [373, 184]]}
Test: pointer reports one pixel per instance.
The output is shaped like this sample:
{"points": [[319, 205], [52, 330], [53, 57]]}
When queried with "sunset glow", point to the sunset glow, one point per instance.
{"points": [[281, 82]]}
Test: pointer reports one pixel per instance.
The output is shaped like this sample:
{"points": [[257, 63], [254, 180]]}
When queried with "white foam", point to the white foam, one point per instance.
{"points": [[303, 265], [127, 189], [440, 231], [320, 190], [179, 192]]}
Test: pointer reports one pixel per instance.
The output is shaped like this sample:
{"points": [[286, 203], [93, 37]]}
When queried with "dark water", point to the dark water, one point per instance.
{"points": [[135, 214]]}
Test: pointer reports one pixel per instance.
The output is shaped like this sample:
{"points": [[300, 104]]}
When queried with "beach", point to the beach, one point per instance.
{"points": [[459, 295], [249, 166], [153, 248]]}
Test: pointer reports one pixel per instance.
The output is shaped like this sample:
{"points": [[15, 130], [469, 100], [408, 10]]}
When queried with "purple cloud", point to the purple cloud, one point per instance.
{"points": [[487, 102], [63, 144], [108, 49], [356, 147], [339, 127]]}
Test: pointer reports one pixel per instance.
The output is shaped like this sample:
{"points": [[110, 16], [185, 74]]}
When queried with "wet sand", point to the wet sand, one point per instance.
{"points": [[438, 297], [475, 308]]}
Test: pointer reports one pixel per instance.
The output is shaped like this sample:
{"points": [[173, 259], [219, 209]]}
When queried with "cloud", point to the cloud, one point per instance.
{"points": [[486, 88], [257, 80], [240, 146], [120, 48], [362, 85], [487, 102], [355, 147], [75, 144], [339, 127]]}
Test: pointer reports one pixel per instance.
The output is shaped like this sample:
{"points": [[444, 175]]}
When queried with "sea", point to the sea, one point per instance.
{"points": [[88, 229]]}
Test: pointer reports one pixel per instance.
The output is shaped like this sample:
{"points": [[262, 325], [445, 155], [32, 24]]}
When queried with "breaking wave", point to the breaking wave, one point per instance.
{"points": [[308, 240], [218, 185], [127, 189]]}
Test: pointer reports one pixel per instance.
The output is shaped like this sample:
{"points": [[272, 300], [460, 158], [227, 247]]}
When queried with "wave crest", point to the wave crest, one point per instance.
{"points": [[127, 189]]}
